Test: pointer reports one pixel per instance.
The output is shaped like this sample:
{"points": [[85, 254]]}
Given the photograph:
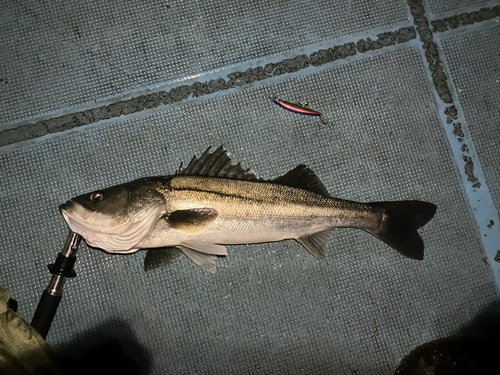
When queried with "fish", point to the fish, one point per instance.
{"points": [[213, 202], [297, 108]]}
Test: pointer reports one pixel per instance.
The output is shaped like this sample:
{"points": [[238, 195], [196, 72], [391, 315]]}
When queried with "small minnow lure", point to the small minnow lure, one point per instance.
{"points": [[297, 108]]}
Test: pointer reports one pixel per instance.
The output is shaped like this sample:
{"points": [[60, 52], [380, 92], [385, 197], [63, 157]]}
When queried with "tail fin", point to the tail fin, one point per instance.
{"points": [[399, 229]]}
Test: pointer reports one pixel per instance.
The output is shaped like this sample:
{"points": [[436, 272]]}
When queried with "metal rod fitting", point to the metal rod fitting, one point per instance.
{"points": [[51, 296]]}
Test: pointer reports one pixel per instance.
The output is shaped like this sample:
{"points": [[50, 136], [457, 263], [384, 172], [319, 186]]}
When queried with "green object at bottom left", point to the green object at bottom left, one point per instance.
{"points": [[22, 350]]}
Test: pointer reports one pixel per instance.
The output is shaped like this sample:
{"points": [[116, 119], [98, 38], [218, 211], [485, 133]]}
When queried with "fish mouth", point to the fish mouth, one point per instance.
{"points": [[66, 207], [100, 231], [79, 217], [75, 221], [76, 213]]}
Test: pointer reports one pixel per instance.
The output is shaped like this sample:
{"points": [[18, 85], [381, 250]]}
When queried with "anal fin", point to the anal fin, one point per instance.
{"points": [[316, 243]]}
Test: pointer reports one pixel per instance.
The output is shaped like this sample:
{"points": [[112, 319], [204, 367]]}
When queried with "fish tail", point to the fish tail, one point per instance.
{"points": [[400, 224]]}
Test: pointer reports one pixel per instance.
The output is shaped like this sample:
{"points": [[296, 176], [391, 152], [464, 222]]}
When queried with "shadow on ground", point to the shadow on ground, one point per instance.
{"points": [[473, 350], [110, 348]]}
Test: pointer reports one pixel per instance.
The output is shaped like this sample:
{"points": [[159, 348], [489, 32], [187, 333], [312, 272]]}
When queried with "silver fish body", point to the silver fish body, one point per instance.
{"points": [[253, 212], [212, 202]]}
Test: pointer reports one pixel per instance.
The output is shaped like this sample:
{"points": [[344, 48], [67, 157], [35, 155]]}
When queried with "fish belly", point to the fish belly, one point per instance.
{"points": [[249, 226]]}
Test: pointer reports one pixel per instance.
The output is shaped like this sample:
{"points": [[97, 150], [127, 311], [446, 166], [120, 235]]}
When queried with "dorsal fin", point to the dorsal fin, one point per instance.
{"points": [[216, 164], [303, 178]]}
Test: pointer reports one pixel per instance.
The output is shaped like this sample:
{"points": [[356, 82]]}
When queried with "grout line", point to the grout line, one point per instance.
{"points": [[465, 19], [181, 93], [462, 146]]}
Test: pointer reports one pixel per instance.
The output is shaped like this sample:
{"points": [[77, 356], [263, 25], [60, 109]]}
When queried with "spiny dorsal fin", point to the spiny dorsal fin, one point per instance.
{"points": [[216, 164], [316, 243], [303, 178]]}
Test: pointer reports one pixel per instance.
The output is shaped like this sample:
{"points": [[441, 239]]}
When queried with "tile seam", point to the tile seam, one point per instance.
{"points": [[465, 19], [460, 141]]}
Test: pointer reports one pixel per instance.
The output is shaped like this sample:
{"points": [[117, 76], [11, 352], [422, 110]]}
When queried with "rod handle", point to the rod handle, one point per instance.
{"points": [[45, 312]]}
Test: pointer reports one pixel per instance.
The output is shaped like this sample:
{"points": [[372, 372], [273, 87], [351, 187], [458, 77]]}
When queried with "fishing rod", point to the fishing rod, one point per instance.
{"points": [[51, 296]]}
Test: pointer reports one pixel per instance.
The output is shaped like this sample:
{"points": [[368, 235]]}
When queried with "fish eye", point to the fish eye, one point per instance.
{"points": [[96, 197]]}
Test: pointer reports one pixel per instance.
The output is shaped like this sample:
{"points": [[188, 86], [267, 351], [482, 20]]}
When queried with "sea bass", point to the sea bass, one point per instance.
{"points": [[213, 202]]}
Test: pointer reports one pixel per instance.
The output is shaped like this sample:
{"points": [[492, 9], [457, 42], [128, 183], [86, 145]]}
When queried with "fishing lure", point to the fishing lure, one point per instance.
{"points": [[297, 108]]}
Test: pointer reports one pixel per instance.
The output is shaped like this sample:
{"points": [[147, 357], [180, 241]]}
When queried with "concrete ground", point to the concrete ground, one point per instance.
{"points": [[93, 94]]}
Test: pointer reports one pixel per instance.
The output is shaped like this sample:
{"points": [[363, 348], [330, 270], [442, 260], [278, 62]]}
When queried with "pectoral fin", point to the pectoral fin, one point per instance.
{"points": [[193, 220], [205, 261], [315, 243]]}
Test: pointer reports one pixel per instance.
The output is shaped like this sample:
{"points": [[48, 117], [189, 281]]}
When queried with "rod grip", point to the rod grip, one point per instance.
{"points": [[45, 312]]}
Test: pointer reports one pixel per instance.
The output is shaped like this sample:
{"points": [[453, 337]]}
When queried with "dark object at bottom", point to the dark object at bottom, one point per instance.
{"points": [[108, 358], [449, 356]]}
